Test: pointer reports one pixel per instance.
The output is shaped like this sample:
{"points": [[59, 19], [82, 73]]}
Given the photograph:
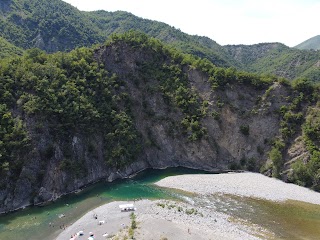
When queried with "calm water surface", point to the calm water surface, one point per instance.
{"points": [[289, 220], [44, 222]]}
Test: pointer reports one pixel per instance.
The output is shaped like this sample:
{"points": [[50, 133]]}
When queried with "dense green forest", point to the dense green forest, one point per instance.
{"points": [[50, 25], [69, 93], [57, 26], [121, 22], [8, 49], [278, 59]]}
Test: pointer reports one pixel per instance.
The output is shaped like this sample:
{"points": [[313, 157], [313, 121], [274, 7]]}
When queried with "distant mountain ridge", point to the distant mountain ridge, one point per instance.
{"points": [[247, 54], [120, 22], [311, 43], [277, 59], [57, 26], [49, 25]]}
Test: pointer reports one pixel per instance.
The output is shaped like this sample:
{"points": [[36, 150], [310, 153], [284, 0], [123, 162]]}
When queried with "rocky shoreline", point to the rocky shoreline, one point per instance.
{"points": [[168, 219], [161, 219]]}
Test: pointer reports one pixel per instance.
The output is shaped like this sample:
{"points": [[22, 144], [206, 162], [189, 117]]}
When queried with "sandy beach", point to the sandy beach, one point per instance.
{"points": [[164, 219]]}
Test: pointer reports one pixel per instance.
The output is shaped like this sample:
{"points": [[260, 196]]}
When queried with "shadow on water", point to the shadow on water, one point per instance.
{"points": [[45, 222]]}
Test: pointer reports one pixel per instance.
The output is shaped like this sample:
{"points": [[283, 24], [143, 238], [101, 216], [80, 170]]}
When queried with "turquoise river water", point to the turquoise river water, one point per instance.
{"points": [[289, 220]]}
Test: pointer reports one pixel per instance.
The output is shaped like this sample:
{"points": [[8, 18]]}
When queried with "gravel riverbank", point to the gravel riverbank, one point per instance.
{"points": [[161, 219], [177, 220], [242, 184]]}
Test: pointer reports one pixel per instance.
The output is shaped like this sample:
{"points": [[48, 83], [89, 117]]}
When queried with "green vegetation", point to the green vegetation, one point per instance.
{"points": [[14, 141], [277, 59], [307, 173], [312, 43], [188, 211], [294, 120], [122, 22], [220, 77], [276, 157], [50, 25], [191, 211], [244, 129], [57, 26], [64, 94], [133, 225], [70, 92], [174, 83], [8, 49]]}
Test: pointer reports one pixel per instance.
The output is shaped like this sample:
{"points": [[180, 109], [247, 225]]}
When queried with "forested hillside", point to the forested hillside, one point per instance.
{"points": [[278, 59], [57, 26], [312, 43], [51, 25], [70, 119], [121, 22], [8, 50]]}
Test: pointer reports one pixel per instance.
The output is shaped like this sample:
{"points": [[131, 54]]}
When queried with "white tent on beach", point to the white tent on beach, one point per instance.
{"points": [[127, 207]]}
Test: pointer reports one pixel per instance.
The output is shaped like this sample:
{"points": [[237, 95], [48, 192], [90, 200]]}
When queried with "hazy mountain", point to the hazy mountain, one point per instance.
{"points": [[312, 43], [120, 22], [277, 59], [53, 25]]}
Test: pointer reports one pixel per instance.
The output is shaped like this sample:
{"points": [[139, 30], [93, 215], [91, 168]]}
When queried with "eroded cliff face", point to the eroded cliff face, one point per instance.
{"points": [[240, 122], [229, 110]]}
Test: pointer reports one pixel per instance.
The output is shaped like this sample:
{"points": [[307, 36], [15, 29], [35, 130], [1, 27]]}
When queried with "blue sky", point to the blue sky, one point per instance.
{"points": [[226, 21]]}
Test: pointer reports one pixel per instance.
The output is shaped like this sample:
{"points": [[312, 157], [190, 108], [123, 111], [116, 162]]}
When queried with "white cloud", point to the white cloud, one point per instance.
{"points": [[226, 21]]}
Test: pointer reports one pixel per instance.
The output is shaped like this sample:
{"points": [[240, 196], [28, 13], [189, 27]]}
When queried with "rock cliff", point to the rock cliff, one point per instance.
{"points": [[240, 122]]}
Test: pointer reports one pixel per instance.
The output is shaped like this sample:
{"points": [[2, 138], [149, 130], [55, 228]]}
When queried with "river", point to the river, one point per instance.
{"points": [[289, 220]]}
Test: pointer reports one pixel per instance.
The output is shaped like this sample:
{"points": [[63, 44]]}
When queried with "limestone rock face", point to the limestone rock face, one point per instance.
{"points": [[229, 111]]}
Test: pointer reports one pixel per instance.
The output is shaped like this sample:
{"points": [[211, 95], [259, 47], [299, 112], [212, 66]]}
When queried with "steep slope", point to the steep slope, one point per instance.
{"points": [[8, 49], [277, 59], [57, 26], [312, 43], [71, 119], [120, 22], [50, 25], [249, 54]]}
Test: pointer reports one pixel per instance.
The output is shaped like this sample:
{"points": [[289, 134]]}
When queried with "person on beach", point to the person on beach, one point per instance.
{"points": [[91, 236]]}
